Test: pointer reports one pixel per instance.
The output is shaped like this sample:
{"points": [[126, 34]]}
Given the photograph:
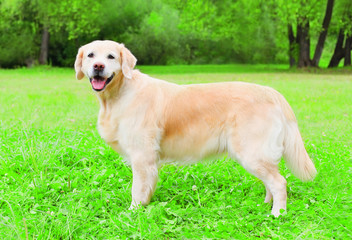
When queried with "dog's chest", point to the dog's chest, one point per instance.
{"points": [[108, 130]]}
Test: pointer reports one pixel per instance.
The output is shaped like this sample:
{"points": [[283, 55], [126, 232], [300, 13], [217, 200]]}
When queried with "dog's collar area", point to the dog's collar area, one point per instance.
{"points": [[99, 83]]}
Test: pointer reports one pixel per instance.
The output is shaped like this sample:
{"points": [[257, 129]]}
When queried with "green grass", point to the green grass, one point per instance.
{"points": [[225, 68], [59, 180]]}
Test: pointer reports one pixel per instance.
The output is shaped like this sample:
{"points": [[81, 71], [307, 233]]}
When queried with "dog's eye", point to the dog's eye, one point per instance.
{"points": [[111, 56], [90, 55]]}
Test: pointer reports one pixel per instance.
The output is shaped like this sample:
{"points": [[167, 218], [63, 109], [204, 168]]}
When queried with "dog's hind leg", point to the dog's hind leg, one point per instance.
{"points": [[275, 184], [258, 147]]}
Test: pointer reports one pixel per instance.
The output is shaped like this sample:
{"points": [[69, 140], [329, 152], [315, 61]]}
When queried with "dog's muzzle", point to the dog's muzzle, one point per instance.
{"points": [[99, 82]]}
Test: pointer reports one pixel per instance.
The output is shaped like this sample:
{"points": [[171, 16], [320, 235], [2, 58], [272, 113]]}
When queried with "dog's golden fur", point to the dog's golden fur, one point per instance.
{"points": [[150, 122]]}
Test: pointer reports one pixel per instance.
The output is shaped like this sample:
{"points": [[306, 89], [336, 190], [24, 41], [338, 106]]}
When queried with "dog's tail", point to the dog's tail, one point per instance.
{"points": [[295, 154]]}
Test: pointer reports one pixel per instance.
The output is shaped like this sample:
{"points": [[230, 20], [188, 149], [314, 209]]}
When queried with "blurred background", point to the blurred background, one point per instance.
{"points": [[299, 33]]}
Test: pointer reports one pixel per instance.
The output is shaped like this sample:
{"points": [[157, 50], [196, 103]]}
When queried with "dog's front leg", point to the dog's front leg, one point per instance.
{"points": [[145, 177]]}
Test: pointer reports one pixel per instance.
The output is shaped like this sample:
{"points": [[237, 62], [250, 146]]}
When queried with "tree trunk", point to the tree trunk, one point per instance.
{"points": [[304, 44], [348, 46], [339, 52], [292, 46], [44, 48], [321, 41]]}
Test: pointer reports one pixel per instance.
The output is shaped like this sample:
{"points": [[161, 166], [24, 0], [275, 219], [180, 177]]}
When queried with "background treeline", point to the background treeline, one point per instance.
{"points": [[299, 32]]}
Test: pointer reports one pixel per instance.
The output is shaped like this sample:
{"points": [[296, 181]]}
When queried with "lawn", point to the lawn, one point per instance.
{"points": [[59, 180]]}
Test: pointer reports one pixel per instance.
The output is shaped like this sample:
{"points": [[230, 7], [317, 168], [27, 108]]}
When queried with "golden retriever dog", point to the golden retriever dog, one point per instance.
{"points": [[151, 122]]}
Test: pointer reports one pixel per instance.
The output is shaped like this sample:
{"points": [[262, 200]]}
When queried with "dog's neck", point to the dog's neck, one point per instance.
{"points": [[112, 90]]}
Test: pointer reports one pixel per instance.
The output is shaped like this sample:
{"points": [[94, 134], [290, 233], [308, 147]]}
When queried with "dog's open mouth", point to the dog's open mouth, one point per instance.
{"points": [[99, 82]]}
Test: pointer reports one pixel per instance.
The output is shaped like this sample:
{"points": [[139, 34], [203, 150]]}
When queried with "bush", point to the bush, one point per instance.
{"points": [[18, 44]]}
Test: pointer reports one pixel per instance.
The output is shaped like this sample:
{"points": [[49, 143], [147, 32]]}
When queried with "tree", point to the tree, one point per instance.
{"points": [[18, 44], [303, 39], [301, 18], [73, 16], [178, 31], [323, 33], [34, 21], [242, 31], [344, 37]]}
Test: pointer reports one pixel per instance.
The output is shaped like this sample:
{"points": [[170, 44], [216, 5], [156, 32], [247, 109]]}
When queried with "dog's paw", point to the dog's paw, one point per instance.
{"points": [[134, 206], [278, 212]]}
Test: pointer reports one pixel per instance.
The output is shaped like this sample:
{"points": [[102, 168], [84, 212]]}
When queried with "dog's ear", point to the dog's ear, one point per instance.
{"points": [[128, 62], [78, 64]]}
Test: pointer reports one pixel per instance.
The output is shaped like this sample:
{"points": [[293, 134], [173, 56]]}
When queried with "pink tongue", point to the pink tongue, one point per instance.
{"points": [[98, 83]]}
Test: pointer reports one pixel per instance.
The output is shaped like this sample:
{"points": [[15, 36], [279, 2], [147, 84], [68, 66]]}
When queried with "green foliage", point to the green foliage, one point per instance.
{"points": [[15, 27], [22, 22], [59, 180], [342, 17], [161, 37], [164, 31]]}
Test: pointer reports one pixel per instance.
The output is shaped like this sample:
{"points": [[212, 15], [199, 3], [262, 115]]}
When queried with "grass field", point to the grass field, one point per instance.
{"points": [[59, 180]]}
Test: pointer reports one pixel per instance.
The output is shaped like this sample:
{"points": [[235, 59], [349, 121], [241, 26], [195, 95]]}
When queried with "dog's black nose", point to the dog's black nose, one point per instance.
{"points": [[99, 67]]}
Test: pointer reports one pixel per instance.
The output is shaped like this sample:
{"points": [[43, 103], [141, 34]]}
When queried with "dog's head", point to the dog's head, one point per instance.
{"points": [[102, 61]]}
